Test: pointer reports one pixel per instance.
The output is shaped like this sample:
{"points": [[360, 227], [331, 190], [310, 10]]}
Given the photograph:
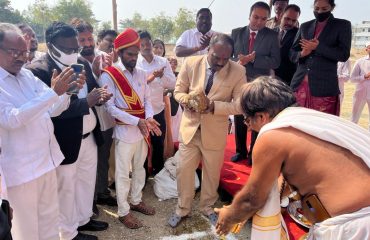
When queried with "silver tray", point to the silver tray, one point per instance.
{"points": [[292, 211]]}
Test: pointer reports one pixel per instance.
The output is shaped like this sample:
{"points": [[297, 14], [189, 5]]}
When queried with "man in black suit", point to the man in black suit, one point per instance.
{"points": [[317, 48], [287, 32], [257, 49], [88, 52], [77, 132]]}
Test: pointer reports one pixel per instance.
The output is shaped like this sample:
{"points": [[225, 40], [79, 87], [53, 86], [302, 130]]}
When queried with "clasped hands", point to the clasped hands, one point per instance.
{"points": [[198, 102], [156, 74], [308, 46], [245, 59], [149, 125]]}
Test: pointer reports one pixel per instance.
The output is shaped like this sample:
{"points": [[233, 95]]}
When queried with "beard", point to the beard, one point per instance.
{"points": [[87, 51]]}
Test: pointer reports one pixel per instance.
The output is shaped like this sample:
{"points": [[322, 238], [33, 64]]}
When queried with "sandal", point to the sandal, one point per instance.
{"points": [[130, 221], [175, 220], [142, 208]]}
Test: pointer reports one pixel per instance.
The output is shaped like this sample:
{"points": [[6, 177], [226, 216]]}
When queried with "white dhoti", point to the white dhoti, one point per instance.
{"points": [[35, 208], [353, 226], [268, 223], [127, 155], [76, 185], [324, 126]]}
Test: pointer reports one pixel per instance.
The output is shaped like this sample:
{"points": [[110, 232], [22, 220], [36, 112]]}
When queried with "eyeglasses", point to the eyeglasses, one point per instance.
{"points": [[247, 120], [68, 51], [16, 53]]}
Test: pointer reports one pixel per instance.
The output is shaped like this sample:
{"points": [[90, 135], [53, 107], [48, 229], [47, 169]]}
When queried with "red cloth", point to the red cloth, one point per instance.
{"points": [[304, 98], [252, 38], [126, 39], [319, 27]]}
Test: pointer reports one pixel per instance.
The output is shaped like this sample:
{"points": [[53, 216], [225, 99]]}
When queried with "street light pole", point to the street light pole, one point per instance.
{"points": [[114, 7]]}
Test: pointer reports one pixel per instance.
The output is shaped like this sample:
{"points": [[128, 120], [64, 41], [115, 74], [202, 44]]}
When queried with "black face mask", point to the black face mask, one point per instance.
{"points": [[322, 16]]}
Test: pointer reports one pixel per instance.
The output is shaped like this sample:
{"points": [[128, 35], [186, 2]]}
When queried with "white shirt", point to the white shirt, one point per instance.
{"points": [[3, 193], [29, 147], [361, 68], [157, 86], [89, 120], [343, 71], [191, 38], [129, 133]]}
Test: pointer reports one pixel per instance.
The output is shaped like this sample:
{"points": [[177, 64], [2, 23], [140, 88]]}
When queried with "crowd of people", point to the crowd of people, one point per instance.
{"points": [[64, 111]]}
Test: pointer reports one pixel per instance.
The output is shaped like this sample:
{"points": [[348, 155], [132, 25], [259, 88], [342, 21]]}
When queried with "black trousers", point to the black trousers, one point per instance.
{"points": [[240, 135], [158, 144], [101, 186], [241, 138]]}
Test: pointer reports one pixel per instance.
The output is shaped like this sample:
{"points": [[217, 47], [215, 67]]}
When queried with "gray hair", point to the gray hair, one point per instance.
{"points": [[221, 38], [7, 27], [266, 94]]}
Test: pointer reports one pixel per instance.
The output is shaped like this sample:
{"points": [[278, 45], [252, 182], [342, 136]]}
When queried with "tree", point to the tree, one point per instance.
{"points": [[161, 27], [137, 22], [184, 20], [8, 14], [65, 10], [39, 16]]}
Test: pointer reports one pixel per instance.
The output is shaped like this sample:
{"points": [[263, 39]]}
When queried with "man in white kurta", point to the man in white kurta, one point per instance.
{"points": [[30, 152], [131, 147], [361, 77]]}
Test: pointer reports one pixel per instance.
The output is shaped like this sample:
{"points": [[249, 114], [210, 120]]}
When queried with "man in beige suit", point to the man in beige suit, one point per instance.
{"points": [[203, 134]]}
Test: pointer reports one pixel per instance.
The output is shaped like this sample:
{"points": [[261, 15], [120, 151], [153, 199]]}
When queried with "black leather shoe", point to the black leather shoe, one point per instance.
{"points": [[109, 201], [83, 236], [238, 157], [93, 225]]}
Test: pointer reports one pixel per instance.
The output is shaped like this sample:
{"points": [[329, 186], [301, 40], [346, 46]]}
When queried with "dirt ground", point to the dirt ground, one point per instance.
{"points": [[196, 227], [156, 227]]}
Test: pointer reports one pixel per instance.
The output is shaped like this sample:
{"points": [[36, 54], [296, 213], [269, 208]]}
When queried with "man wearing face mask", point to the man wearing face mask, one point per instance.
{"points": [[196, 41], [78, 134], [318, 47]]}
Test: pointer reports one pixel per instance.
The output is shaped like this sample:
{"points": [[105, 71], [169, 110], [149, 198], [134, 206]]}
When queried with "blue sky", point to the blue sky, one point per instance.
{"points": [[227, 14]]}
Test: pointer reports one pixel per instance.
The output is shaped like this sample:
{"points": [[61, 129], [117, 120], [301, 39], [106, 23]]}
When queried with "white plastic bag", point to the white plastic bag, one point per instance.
{"points": [[165, 183]]}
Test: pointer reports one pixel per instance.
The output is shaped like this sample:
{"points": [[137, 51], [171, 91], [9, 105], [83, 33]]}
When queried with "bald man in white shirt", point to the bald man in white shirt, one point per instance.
{"points": [[30, 152]]}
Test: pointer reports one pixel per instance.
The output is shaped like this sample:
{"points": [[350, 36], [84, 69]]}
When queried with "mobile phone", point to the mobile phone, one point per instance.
{"points": [[313, 209], [77, 68]]}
